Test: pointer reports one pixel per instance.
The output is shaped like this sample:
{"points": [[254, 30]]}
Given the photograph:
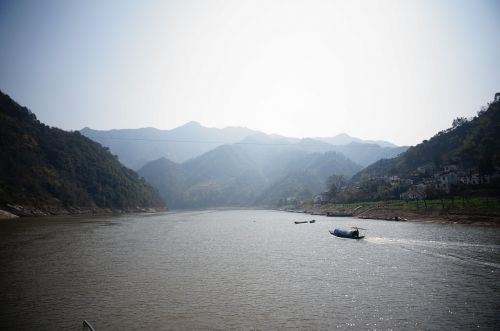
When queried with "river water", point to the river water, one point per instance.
{"points": [[245, 269]]}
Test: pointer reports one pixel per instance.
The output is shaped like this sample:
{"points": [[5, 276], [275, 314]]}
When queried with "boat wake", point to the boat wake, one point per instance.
{"points": [[456, 251]]}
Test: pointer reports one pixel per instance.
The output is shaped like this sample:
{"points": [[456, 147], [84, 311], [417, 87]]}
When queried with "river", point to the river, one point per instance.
{"points": [[245, 269]]}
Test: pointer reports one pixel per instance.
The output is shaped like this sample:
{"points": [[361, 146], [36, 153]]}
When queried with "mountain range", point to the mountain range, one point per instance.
{"points": [[193, 166], [136, 147]]}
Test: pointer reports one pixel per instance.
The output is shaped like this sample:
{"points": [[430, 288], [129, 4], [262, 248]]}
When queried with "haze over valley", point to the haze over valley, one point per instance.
{"points": [[249, 165], [136, 147], [193, 166]]}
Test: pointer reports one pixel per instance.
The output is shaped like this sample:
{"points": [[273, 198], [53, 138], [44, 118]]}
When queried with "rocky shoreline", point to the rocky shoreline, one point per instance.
{"points": [[476, 217], [12, 211]]}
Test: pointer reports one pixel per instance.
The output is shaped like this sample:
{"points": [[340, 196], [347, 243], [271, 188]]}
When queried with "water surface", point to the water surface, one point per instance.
{"points": [[244, 269]]}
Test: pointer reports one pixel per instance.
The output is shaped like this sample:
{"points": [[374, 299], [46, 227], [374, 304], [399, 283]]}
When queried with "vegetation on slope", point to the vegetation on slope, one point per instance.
{"points": [[470, 144], [51, 169], [463, 160]]}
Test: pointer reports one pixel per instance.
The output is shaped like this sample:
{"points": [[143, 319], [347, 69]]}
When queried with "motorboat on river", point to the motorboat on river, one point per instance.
{"points": [[351, 234]]}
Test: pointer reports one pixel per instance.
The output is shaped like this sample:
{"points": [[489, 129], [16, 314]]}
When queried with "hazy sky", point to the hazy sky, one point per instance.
{"points": [[394, 70]]}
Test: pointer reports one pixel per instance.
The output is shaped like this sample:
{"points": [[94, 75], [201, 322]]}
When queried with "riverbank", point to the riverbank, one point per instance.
{"points": [[477, 217], [397, 212], [14, 211]]}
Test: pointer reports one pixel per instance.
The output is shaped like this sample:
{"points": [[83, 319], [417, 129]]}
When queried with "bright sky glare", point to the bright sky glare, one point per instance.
{"points": [[393, 70]]}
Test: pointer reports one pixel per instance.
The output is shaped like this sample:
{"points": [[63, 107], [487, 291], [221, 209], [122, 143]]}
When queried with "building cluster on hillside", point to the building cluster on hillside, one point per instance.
{"points": [[424, 180]]}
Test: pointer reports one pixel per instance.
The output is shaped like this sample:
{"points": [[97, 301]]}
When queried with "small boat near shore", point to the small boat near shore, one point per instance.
{"points": [[351, 234], [301, 222]]}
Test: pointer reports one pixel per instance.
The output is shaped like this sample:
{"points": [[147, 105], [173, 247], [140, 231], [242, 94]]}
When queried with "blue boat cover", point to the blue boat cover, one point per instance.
{"points": [[343, 233]]}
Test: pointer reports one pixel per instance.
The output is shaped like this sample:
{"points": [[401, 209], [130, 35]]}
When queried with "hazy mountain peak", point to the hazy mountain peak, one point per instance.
{"points": [[189, 126], [192, 124], [345, 139], [136, 147]]}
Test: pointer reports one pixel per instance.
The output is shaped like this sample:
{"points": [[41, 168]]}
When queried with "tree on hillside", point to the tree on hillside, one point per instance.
{"points": [[458, 122], [334, 185]]}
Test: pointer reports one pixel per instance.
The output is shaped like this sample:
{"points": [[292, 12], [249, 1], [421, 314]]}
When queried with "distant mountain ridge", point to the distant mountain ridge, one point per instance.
{"points": [[195, 167], [345, 139], [366, 153], [136, 147], [46, 170]]}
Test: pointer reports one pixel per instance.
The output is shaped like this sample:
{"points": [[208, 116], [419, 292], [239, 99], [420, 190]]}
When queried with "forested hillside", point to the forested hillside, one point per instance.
{"points": [[245, 175], [463, 160], [469, 144], [48, 170]]}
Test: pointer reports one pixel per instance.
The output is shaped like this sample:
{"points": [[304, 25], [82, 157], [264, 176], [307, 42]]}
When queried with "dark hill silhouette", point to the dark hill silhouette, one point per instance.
{"points": [[463, 160], [48, 170], [469, 144]]}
